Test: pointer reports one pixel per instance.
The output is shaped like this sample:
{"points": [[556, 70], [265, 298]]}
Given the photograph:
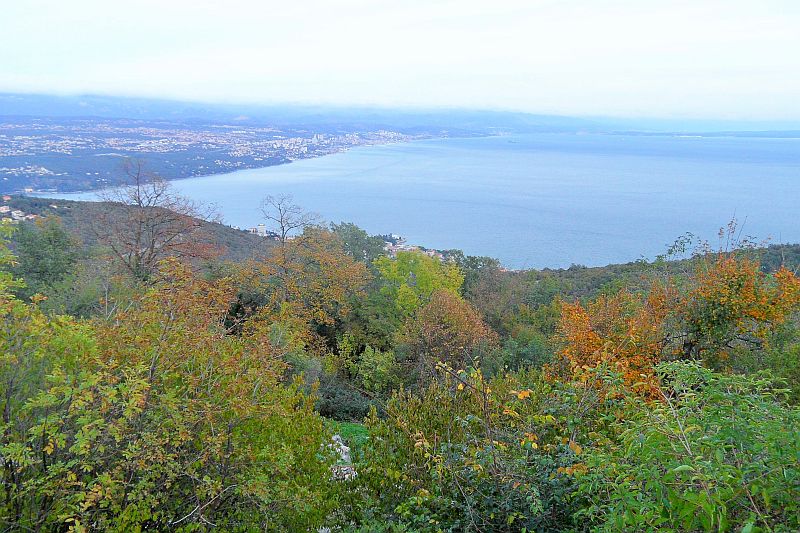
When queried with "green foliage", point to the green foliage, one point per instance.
{"points": [[531, 350], [413, 277], [46, 254], [474, 268], [377, 371], [358, 244], [156, 419], [716, 452], [781, 357], [340, 399], [8, 282], [465, 455], [374, 321]]}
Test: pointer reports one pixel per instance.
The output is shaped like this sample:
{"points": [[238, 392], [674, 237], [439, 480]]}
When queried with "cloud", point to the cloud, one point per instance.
{"points": [[730, 59]]}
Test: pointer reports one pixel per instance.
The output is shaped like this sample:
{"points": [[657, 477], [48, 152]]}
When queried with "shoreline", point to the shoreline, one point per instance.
{"points": [[43, 192]]}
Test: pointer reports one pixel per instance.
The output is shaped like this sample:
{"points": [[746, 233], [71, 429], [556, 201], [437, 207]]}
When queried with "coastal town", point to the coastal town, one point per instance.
{"points": [[82, 154], [392, 243], [16, 216]]}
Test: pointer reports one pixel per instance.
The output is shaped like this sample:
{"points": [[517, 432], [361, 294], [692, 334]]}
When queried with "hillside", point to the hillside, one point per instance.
{"points": [[76, 216], [581, 281], [238, 245], [548, 392]]}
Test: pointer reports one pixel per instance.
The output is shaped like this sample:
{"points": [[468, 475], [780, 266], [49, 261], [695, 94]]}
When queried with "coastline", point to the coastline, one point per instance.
{"points": [[548, 200], [43, 193]]}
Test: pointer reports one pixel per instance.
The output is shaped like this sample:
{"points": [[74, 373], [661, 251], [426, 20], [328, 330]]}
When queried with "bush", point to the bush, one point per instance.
{"points": [[530, 350], [714, 452], [465, 455], [156, 419], [338, 399]]}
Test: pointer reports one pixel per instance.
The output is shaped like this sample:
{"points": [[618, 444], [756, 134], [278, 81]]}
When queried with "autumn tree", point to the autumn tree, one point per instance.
{"points": [[307, 284], [624, 331], [733, 305], [727, 306], [448, 330], [155, 223]]}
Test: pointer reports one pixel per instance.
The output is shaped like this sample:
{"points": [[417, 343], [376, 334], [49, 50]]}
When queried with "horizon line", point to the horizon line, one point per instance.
{"points": [[399, 107]]}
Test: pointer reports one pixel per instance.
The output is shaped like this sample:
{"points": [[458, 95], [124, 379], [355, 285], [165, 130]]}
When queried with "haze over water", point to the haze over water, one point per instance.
{"points": [[533, 201]]}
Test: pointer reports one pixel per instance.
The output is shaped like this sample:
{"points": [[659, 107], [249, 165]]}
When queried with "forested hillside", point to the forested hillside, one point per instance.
{"points": [[77, 218], [160, 372]]}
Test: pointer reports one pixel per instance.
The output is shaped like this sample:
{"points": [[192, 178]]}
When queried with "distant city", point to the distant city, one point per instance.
{"points": [[70, 144], [42, 155]]}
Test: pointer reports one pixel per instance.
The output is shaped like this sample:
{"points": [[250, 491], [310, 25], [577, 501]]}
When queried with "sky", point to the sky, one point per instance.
{"points": [[718, 59]]}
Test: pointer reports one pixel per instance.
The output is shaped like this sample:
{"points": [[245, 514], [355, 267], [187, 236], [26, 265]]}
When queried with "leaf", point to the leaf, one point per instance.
{"points": [[575, 447]]}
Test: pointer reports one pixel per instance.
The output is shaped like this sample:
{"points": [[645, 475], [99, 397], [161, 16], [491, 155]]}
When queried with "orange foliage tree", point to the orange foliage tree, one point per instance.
{"points": [[727, 304], [733, 305], [625, 331], [446, 329]]}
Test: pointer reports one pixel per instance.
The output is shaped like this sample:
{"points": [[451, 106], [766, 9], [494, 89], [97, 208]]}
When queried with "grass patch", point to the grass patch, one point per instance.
{"points": [[355, 435]]}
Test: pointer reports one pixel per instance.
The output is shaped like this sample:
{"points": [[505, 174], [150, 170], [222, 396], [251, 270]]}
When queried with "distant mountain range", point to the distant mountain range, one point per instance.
{"points": [[355, 118], [351, 118]]}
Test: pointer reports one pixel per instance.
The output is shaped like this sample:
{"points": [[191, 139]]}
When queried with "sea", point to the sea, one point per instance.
{"points": [[538, 200]]}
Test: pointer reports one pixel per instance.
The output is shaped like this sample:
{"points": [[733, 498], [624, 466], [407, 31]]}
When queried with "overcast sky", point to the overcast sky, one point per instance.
{"points": [[727, 59]]}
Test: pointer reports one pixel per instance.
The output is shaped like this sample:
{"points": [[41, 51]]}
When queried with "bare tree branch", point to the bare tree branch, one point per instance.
{"points": [[286, 217], [155, 223]]}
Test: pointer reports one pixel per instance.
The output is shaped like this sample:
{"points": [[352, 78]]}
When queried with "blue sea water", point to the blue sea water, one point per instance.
{"points": [[543, 200]]}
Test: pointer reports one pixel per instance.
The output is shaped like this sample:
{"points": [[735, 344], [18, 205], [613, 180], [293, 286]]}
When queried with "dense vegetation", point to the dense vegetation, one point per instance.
{"points": [[191, 392]]}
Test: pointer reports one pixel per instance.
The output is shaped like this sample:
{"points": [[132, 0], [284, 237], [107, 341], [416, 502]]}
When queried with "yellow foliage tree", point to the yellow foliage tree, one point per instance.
{"points": [[309, 283]]}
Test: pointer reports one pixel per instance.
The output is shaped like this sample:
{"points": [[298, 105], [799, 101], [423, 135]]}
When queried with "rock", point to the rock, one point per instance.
{"points": [[341, 448]]}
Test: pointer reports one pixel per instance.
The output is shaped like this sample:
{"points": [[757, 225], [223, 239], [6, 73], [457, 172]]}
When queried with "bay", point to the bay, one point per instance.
{"points": [[534, 201]]}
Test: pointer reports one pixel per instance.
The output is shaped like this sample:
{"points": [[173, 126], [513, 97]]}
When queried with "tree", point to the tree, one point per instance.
{"points": [[412, 277], [625, 331], [358, 244], [733, 305], [45, 253], [475, 268], [156, 223], [307, 284], [285, 217], [727, 308], [446, 330]]}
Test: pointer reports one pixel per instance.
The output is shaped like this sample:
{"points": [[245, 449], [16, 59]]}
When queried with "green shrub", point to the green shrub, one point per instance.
{"points": [[340, 400], [715, 452], [465, 455]]}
